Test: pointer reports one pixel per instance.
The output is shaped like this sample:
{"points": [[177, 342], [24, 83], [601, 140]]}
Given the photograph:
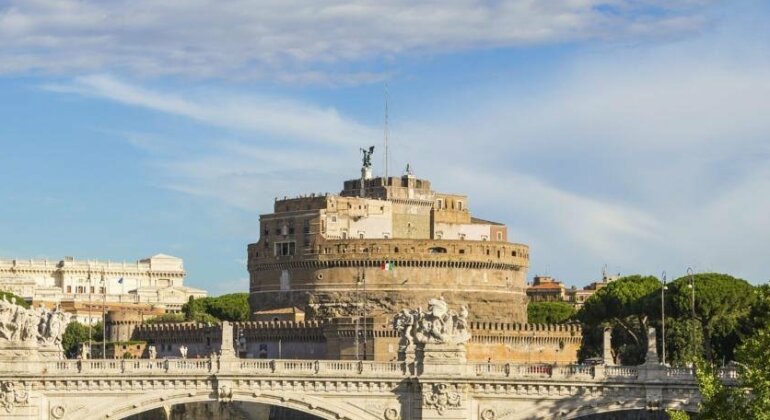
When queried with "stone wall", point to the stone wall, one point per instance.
{"points": [[336, 340], [487, 276]]}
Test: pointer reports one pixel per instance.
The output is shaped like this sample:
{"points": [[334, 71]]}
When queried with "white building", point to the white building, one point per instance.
{"points": [[158, 280]]}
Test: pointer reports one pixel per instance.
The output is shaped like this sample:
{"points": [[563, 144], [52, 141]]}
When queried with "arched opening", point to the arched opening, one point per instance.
{"points": [[318, 407], [235, 410]]}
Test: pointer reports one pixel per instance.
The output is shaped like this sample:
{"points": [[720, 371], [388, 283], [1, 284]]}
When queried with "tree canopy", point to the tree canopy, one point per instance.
{"points": [[722, 302], [549, 312], [625, 305], [232, 307], [77, 333]]}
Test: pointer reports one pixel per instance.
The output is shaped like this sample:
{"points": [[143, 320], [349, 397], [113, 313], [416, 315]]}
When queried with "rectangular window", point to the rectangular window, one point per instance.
{"points": [[499, 236], [69, 289], [283, 249], [92, 289]]}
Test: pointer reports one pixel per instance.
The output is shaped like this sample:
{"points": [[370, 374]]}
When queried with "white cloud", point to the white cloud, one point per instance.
{"points": [[303, 41], [271, 116], [646, 159]]}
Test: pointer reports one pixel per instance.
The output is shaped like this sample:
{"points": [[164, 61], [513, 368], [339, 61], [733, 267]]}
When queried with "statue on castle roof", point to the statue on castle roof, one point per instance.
{"points": [[367, 158]]}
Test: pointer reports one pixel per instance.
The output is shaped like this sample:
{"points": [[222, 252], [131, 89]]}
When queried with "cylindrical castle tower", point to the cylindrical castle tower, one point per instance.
{"points": [[390, 242]]}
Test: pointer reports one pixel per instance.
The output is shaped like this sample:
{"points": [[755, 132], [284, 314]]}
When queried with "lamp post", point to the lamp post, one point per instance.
{"points": [[663, 317], [361, 329], [104, 318], [692, 288]]}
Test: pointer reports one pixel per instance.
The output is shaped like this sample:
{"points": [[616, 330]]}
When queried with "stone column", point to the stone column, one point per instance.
{"points": [[607, 347], [227, 350]]}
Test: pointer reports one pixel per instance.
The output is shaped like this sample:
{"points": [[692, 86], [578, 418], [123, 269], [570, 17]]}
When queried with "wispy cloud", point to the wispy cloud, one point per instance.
{"points": [[649, 158], [304, 41], [277, 117]]}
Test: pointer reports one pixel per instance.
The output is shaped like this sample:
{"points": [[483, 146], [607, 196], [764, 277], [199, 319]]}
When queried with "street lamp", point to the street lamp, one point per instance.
{"points": [[361, 281], [663, 316], [692, 288]]}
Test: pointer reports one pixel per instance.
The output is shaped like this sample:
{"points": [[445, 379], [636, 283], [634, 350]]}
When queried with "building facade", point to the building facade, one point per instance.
{"points": [[88, 284], [390, 242]]}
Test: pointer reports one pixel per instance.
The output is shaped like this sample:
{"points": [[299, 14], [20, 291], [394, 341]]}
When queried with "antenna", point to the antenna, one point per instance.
{"points": [[386, 131]]}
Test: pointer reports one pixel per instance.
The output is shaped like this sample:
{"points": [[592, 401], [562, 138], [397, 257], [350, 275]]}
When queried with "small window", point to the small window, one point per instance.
{"points": [[361, 235], [499, 236], [459, 205]]}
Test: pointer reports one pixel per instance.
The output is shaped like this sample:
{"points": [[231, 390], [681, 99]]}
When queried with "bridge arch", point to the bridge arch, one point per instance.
{"points": [[325, 408]]}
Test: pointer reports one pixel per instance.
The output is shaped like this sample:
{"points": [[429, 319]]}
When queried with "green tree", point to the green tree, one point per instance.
{"points": [[74, 334], [549, 312], [626, 305], [232, 307], [721, 303]]}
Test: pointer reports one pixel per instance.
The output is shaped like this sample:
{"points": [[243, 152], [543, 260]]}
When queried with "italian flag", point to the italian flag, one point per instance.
{"points": [[387, 266]]}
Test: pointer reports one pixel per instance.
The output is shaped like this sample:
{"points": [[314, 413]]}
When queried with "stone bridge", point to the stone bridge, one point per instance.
{"points": [[433, 380], [330, 389]]}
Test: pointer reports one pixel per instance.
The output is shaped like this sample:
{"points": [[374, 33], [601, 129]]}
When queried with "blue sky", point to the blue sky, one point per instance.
{"points": [[627, 133]]}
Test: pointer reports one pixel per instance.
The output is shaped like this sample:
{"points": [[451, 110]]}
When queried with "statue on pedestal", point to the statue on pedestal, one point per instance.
{"points": [[435, 336], [25, 330]]}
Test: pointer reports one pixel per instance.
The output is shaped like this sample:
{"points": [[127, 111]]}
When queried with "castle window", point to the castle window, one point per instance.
{"points": [[461, 236], [69, 289], [499, 236], [439, 204], [361, 235], [462, 251], [395, 249], [282, 249], [437, 250], [513, 254], [92, 289], [267, 232], [459, 205]]}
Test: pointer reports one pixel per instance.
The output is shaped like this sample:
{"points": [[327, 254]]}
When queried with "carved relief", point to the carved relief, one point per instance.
{"points": [[58, 411], [488, 414], [441, 397], [31, 326], [391, 414], [438, 325], [225, 393], [11, 396]]}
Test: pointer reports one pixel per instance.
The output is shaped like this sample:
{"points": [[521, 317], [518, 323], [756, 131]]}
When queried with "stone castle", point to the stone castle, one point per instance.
{"points": [[330, 274], [382, 244]]}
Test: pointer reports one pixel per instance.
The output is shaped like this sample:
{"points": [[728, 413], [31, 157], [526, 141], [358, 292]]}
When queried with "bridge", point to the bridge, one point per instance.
{"points": [[332, 389], [431, 380]]}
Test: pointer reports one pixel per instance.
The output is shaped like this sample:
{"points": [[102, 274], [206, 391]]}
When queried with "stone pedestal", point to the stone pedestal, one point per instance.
{"points": [[440, 359], [227, 351]]}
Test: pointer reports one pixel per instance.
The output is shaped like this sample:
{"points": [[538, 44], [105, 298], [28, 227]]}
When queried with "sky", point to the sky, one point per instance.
{"points": [[631, 134]]}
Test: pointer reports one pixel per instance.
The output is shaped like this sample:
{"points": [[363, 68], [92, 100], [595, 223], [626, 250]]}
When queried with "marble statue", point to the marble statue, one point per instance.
{"points": [[437, 325], [33, 326]]}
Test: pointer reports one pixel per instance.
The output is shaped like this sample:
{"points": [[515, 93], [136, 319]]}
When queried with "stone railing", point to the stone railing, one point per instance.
{"points": [[336, 368]]}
